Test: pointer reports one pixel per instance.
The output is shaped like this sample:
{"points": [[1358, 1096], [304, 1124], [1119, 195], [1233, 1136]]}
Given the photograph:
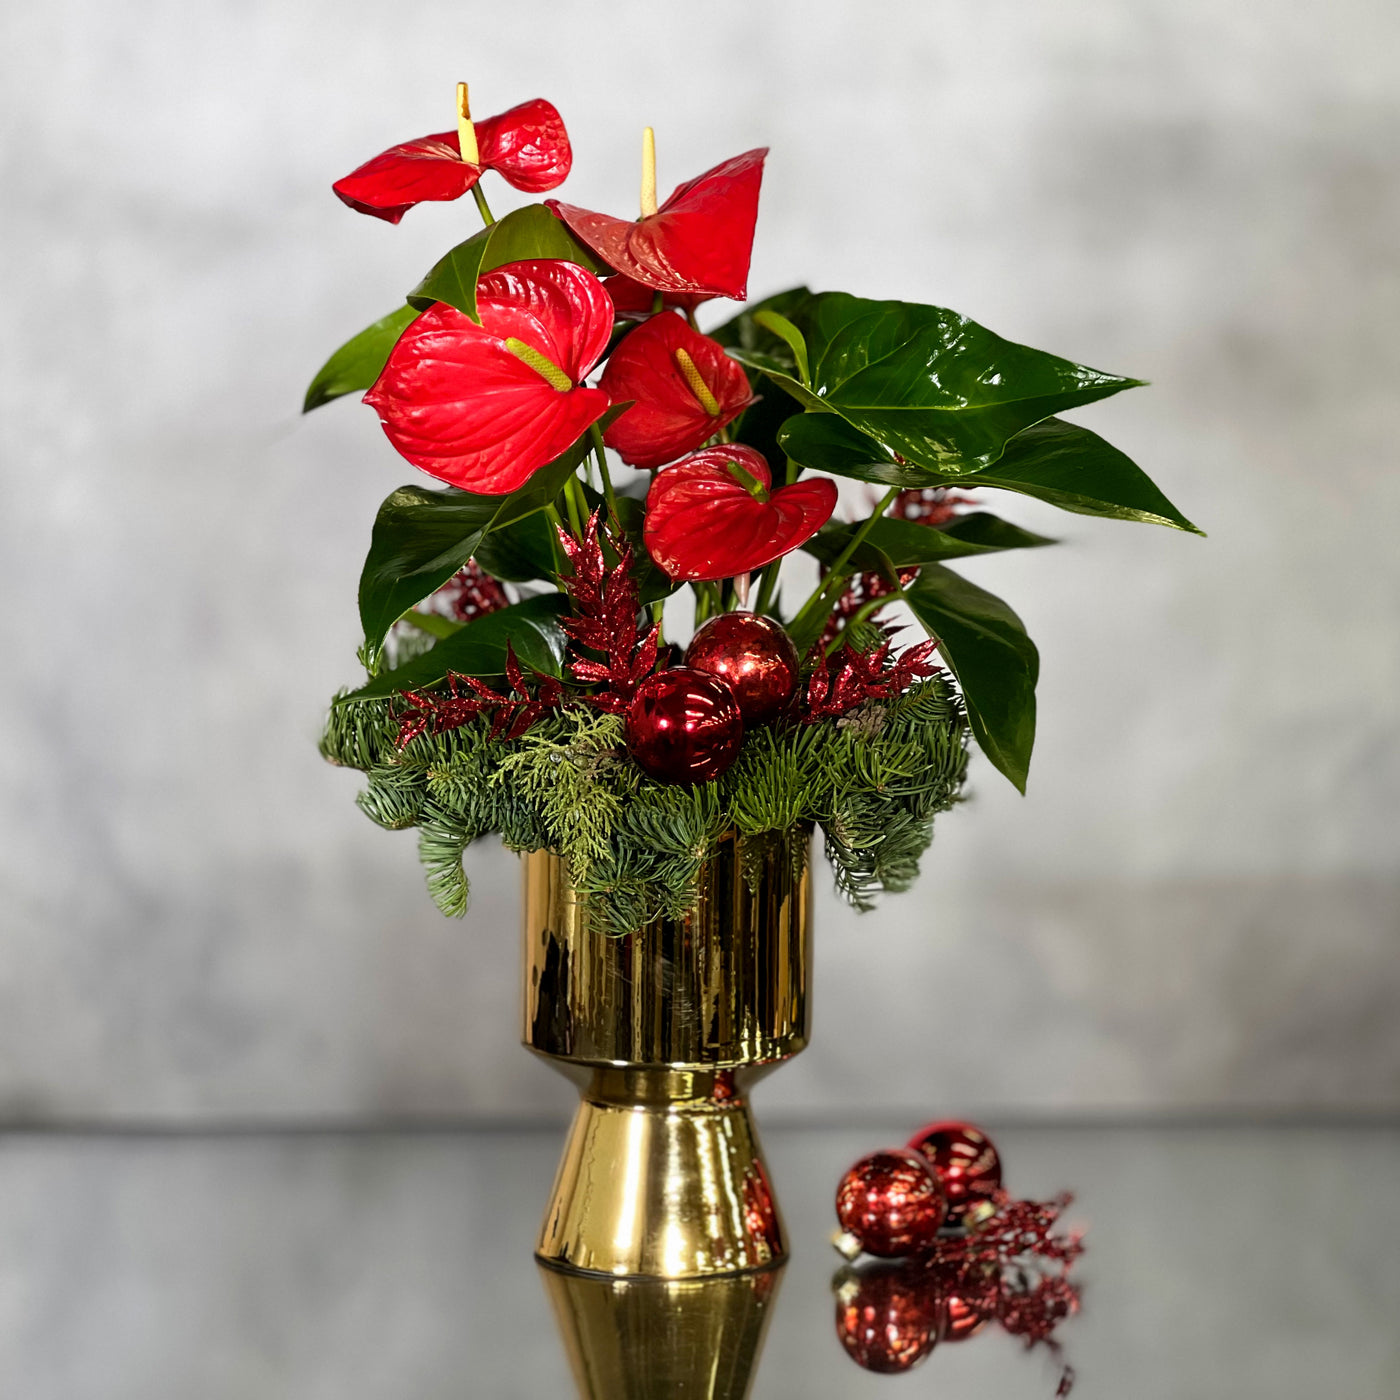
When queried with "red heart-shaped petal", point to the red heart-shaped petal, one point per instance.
{"points": [[395, 180], [703, 522], [528, 145], [460, 405], [700, 240], [669, 414]]}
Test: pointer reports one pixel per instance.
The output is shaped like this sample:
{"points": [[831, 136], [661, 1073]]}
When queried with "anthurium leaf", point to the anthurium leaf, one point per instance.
{"points": [[519, 552], [996, 663], [421, 537], [531, 628], [932, 386], [531, 232], [1070, 467], [357, 363], [770, 320], [905, 543], [1054, 461], [827, 443], [985, 532]]}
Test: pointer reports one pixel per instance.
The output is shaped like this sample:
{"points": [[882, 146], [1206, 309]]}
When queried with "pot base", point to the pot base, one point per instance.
{"points": [[662, 1177]]}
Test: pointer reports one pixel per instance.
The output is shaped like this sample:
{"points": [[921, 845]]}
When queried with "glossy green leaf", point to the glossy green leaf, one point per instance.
{"points": [[996, 663], [531, 232], [930, 385], [421, 537], [520, 552], [827, 443], [356, 365], [1070, 467], [904, 543], [1054, 461], [769, 320], [531, 628]]}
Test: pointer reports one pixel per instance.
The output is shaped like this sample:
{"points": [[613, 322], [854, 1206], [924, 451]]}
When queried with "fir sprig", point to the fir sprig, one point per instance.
{"points": [[872, 780]]}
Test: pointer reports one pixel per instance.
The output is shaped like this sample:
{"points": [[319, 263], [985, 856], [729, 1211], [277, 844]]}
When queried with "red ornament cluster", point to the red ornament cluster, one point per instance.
{"points": [[951, 1251], [754, 657]]}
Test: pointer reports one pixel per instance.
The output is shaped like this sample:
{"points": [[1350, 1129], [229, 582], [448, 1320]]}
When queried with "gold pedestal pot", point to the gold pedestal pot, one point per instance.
{"points": [[665, 1030]]}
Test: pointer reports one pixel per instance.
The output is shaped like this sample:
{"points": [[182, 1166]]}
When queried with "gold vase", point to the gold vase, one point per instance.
{"points": [[665, 1030], [656, 1339]]}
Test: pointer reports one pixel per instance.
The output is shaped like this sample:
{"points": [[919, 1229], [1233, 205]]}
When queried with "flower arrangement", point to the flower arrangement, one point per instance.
{"points": [[521, 678]]}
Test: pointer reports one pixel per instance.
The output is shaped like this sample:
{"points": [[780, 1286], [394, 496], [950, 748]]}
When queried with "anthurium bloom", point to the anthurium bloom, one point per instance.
{"points": [[713, 515], [684, 388], [485, 406], [527, 146], [699, 241]]}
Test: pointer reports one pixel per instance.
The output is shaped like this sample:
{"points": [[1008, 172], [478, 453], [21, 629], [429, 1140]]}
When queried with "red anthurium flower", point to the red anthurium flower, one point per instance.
{"points": [[684, 386], [485, 406], [713, 516], [527, 146], [700, 240], [633, 301]]}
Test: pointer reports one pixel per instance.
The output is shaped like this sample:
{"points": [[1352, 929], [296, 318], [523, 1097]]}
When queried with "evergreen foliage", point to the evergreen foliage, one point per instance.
{"points": [[873, 780]]}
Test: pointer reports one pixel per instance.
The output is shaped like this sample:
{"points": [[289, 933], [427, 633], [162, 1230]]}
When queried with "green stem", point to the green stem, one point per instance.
{"points": [[836, 577], [487, 217], [766, 585], [577, 505], [552, 511], [597, 434]]}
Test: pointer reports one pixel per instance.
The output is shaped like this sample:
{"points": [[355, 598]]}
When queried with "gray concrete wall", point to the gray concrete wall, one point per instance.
{"points": [[1195, 907]]}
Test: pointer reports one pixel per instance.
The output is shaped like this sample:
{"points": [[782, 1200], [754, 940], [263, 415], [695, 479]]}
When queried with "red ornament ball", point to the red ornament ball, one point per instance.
{"points": [[891, 1202], [965, 1161], [969, 1295], [753, 656], [684, 726], [887, 1317]]}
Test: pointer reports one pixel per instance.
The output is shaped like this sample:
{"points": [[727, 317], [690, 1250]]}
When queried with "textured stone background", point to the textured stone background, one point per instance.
{"points": [[1196, 906]]}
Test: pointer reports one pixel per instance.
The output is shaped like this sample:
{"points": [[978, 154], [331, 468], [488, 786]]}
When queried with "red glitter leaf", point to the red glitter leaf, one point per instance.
{"points": [[605, 617]]}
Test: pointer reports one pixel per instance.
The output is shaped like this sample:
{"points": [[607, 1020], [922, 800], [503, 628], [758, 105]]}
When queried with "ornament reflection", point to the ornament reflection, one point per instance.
{"points": [[1011, 1269]]}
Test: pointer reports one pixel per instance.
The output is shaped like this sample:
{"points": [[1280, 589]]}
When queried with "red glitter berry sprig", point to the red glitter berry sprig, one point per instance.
{"points": [[605, 617], [841, 682], [512, 713]]}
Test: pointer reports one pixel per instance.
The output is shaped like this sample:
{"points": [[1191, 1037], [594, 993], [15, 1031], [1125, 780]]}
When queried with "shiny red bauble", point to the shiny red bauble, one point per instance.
{"points": [[891, 1202], [753, 656], [965, 1161], [684, 726], [887, 1317]]}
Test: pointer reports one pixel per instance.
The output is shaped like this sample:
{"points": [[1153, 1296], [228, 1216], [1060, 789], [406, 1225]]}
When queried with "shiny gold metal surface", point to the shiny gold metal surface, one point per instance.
{"points": [[655, 1339], [665, 1030]]}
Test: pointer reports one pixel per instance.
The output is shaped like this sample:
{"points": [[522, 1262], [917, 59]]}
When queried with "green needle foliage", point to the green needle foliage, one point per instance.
{"points": [[873, 781]]}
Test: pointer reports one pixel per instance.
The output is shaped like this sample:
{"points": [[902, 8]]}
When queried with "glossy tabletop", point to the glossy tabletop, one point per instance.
{"points": [[1233, 1262]]}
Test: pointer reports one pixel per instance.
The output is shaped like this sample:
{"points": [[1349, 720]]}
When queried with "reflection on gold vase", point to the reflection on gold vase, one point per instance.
{"points": [[655, 1339], [664, 1031]]}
